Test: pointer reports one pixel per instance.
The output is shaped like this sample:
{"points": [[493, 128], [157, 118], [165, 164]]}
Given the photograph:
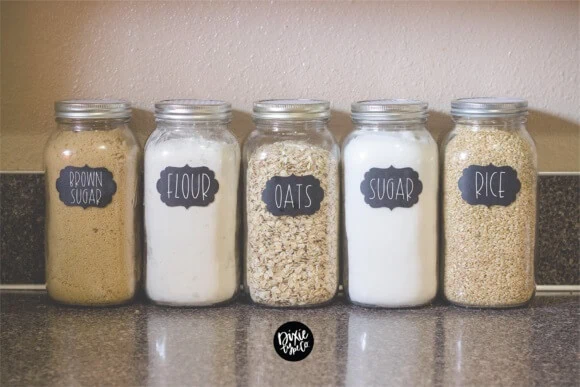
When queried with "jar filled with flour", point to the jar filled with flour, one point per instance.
{"points": [[192, 165], [390, 182]]}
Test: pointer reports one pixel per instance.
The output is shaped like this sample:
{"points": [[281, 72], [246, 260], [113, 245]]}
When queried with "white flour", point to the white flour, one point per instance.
{"points": [[192, 252]]}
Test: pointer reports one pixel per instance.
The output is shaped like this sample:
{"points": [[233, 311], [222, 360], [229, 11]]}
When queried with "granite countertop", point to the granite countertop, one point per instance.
{"points": [[142, 344]]}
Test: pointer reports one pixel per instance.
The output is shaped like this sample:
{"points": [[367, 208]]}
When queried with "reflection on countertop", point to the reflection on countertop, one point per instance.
{"points": [[143, 344]]}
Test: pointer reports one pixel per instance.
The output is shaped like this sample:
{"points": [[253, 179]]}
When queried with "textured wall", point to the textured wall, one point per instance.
{"points": [[244, 51]]}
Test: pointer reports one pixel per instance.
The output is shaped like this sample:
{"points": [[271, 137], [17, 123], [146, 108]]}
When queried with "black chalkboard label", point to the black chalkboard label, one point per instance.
{"points": [[293, 195], [489, 185], [85, 186], [391, 187], [187, 186]]}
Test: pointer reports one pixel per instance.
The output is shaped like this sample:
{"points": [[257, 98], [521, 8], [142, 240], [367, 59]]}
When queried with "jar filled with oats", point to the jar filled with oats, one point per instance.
{"points": [[489, 204], [92, 173], [292, 211]]}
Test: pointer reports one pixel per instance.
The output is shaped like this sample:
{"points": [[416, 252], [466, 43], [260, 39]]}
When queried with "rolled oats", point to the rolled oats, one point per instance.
{"points": [[292, 259]]}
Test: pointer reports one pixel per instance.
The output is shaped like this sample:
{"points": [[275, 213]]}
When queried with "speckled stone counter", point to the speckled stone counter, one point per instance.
{"points": [[558, 260], [142, 344], [22, 231]]}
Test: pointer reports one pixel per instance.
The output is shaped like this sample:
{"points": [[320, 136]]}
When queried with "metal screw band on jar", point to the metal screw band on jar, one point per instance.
{"points": [[389, 110], [488, 107], [193, 110], [292, 109], [92, 109]]}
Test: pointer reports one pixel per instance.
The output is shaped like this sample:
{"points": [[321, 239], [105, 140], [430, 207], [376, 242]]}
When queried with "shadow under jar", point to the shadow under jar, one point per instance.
{"points": [[489, 204], [92, 165], [292, 191], [192, 164]]}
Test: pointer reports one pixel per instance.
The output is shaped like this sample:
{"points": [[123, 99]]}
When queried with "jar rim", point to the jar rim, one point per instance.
{"points": [[92, 109], [487, 107], [389, 110], [193, 110], [291, 109]]}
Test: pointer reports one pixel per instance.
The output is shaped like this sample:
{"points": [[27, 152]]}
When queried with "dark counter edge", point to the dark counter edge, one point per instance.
{"points": [[22, 228]]}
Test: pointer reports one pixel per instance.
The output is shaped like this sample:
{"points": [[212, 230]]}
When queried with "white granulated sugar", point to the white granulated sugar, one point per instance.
{"points": [[392, 254]]}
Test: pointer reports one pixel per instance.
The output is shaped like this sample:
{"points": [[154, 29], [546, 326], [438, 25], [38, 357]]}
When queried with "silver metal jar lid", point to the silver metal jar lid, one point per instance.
{"points": [[291, 109], [384, 110], [193, 110], [488, 107], [93, 109]]}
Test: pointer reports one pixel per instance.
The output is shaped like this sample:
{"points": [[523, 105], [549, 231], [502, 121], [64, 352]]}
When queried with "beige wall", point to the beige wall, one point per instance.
{"points": [[244, 51]]}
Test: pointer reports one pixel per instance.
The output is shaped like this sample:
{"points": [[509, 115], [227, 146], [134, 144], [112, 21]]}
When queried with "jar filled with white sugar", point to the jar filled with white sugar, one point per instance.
{"points": [[192, 165], [390, 166], [489, 190], [292, 204]]}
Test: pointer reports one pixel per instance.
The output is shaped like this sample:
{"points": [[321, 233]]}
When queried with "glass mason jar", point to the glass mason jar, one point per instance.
{"points": [[292, 208], [192, 164], [489, 204], [390, 167], [92, 174]]}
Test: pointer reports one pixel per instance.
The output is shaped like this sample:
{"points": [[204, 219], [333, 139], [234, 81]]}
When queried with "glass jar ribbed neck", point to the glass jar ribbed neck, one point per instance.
{"points": [[291, 126], [390, 126], [191, 125], [495, 123], [80, 125]]}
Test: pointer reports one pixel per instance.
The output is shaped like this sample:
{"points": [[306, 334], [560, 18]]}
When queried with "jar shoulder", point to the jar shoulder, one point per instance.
{"points": [[467, 144], [75, 146], [162, 139], [379, 142], [270, 143]]}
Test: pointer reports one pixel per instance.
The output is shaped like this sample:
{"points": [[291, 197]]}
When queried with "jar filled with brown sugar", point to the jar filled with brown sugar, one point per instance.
{"points": [[92, 174], [489, 204]]}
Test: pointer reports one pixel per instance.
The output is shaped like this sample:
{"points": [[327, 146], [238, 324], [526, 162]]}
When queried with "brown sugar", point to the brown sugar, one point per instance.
{"points": [[93, 253]]}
